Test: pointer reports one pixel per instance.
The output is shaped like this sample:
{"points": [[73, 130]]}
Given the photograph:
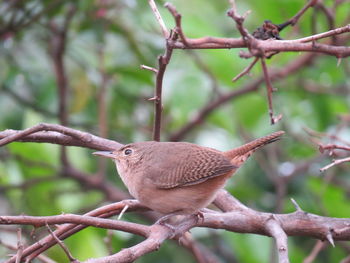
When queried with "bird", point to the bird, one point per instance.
{"points": [[179, 178]]}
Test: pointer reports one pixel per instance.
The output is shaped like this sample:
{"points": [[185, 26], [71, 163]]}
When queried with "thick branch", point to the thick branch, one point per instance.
{"points": [[239, 219]]}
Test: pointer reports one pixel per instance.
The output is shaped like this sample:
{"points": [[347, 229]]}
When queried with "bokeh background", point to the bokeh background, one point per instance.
{"points": [[106, 43]]}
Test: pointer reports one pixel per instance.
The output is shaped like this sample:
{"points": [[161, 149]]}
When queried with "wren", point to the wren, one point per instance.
{"points": [[179, 177]]}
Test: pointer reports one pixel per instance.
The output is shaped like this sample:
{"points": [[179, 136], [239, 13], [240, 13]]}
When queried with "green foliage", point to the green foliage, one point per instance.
{"points": [[127, 35]]}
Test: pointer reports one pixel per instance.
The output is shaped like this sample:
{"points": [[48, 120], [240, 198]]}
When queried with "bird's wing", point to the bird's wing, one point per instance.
{"points": [[190, 166]]}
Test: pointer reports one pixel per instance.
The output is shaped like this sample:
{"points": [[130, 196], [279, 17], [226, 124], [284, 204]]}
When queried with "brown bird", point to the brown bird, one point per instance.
{"points": [[179, 177]]}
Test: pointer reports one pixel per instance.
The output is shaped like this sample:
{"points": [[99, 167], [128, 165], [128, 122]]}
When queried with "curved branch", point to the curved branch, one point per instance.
{"points": [[39, 221], [57, 134], [158, 235], [67, 230]]}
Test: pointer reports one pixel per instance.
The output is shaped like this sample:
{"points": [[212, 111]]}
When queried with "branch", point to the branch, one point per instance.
{"points": [[246, 70], [329, 33], [19, 246], [177, 17], [331, 147], [39, 221], [163, 61], [298, 45], [295, 18], [154, 240], [159, 18], [320, 245], [239, 218], [239, 22], [276, 231], [62, 245], [269, 90], [57, 134], [335, 162], [67, 230]]}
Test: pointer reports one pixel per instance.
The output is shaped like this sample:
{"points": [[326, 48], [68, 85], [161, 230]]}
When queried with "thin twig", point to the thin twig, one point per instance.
{"points": [[177, 17], [62, 245], [335, 162], [318, 247], [269, 89], [246, 70], [295, 18], [329, 33], [159, 18], [333, 147], [239, 22]]}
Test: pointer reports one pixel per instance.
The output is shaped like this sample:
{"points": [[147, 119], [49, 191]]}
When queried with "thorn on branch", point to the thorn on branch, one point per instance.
{"points": [[339, 61], [155, 98], [330, 238], [297, 207], [149, 68]]}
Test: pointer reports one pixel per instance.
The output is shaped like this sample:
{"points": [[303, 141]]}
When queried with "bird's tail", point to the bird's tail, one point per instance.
{"points": [[240, 154]]}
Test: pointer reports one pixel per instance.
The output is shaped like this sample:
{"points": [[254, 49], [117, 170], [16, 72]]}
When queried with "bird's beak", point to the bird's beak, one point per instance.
{"points": [[105, 154]]}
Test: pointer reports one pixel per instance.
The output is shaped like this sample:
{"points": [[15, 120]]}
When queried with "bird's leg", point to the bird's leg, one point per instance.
{"points": [[161, 221], [199, 217]]}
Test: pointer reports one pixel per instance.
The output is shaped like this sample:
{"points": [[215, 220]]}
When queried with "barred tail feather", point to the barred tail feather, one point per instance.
{"points": [[249, 148]]}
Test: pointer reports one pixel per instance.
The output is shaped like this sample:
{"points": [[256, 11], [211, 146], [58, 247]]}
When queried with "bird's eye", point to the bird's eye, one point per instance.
{"points": [[127, 151]]}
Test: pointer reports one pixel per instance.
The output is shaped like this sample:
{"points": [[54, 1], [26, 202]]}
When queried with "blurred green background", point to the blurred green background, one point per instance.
{"points": [[110, 40]]}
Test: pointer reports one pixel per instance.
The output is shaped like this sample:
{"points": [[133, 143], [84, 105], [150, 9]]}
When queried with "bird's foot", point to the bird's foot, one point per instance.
{"points": [[162, 221], [199, 216]]}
